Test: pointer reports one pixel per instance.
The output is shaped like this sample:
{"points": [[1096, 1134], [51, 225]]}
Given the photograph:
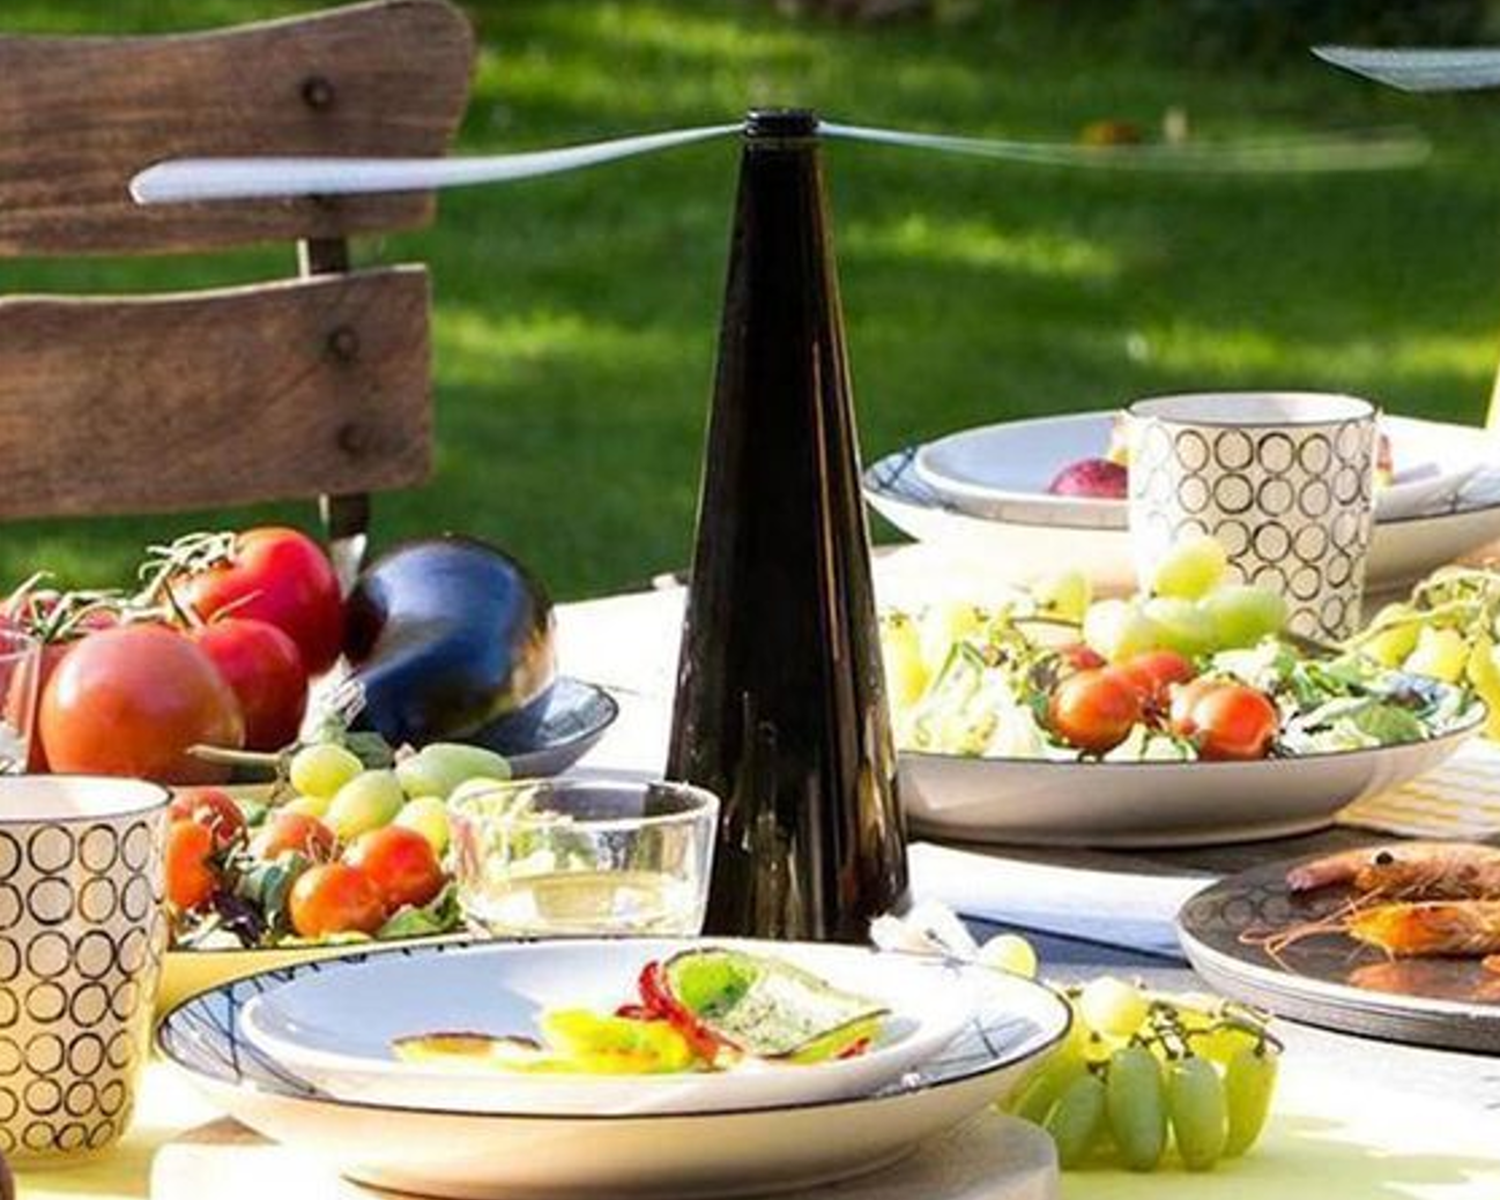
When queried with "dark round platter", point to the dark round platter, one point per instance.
{"points": [[1329, 979]]}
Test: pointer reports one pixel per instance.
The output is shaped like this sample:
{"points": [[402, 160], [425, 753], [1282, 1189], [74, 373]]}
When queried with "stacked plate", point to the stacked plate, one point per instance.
{"points": [[303, 1056], [985, 490]]}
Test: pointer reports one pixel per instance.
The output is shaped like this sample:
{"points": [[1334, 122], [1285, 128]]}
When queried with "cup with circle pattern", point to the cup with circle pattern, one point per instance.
{"points": [[82, 933], [1283, 480]]}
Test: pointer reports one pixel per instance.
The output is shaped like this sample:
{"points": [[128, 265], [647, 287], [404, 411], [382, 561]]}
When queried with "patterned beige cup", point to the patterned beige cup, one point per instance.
{"points": [[82, 934], [1283, 480]]}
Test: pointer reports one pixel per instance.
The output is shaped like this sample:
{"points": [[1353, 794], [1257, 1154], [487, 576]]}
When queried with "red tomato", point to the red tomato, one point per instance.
{"points": [[213, 808], [191, 878], [1080, 657], [1229, 722], [131, 701], [335, 898], [264, 668], [280, 576], [1095, 710], [1154, 673], [295, 831], [401, 862]]}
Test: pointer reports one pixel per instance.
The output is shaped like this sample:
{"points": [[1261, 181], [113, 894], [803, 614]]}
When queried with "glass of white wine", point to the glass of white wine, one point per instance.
{"points": [[584, 857]]}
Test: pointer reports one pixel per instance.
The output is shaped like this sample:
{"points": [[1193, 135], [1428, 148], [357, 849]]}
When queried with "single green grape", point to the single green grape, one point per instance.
{"points": [[428, 815], [1183, 624], [1220, 1045], [1191, 568], [1198, 1110], [1249, 1085], [1064, 594], [1077, 1119], [1112, 1007], [1242, 614], [905, 672], [322, 768], [368, 801], [1009, 952], [1119, 629], [439, 767], [309, 806], [1136, 1107], [1034, 1099]]}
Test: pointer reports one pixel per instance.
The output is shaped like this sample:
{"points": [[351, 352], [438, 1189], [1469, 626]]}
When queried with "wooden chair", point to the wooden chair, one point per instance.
{"points": [[317, 385]]}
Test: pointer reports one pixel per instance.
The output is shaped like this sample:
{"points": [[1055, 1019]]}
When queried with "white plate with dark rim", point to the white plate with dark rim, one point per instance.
{"points": [[338, 1033], [434, 1151], [1003, 472], [1035, 802], [1402, 551]]}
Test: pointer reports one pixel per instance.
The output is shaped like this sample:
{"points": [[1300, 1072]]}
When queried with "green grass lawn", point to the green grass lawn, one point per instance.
{"points": [[576, 316]]}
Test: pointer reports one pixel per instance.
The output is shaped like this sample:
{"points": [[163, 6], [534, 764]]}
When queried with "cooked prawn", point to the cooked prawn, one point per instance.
{"points": [[1430, 929], [1401, 866]]}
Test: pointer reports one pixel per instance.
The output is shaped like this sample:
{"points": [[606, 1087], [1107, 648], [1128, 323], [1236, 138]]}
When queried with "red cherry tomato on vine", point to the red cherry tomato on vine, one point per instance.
{"points": [[1095, 710], [335, 898], [264, 668], [191, 878], [132, 701], [280, 576], [1228, 722], [297, 832], [401, 863], [213, 808]]}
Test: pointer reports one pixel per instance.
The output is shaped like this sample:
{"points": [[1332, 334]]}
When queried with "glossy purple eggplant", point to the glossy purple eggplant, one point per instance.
{"points": [[446, 637]]}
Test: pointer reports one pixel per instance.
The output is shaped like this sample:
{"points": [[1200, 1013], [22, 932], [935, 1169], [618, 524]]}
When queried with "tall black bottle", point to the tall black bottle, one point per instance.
{"points": [[780, 704]]}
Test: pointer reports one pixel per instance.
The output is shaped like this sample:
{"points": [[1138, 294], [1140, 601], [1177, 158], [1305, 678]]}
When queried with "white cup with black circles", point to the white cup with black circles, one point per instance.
{"points": [[1283, 480], [83, 930]]}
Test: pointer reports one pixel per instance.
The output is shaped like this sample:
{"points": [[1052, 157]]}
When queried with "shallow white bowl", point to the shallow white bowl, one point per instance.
{"points": [[1002, 472], [336, 1032]]}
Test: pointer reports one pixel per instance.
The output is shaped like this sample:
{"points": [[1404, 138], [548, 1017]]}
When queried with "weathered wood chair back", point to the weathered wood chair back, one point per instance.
{"points": [[317, 385]]}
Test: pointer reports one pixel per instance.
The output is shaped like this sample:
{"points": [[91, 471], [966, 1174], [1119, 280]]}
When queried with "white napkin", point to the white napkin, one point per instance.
{"points": [[1117, 908]]}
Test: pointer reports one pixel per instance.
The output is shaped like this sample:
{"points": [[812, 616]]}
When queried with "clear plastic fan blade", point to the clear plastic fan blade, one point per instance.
{"points": [[1418, 70], [1374, 150], [181, 179]]}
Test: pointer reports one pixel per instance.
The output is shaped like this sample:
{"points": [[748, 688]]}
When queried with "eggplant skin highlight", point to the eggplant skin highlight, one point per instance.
{"points": [[445, 635]]}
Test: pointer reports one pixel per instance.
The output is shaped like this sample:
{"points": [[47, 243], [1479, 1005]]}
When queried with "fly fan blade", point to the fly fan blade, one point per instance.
{"points": [[1418, 70], [1376, 150], [182, 179]]}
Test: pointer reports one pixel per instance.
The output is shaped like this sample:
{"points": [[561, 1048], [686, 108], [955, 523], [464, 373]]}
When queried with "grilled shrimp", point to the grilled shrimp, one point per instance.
{"points": [[1430, 929], [1406, 867]]}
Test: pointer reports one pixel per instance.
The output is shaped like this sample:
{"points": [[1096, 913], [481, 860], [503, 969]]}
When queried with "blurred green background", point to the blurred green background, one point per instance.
{"points": [[576, 316]]}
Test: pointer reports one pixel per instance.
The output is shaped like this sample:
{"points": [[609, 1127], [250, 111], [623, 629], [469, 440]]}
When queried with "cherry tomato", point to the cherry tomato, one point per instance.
{"points": [[402, 864], [1154, 673], [1095, 710], [280, 576], [297, 832], [1080, 657], [335, 898], [191, 878], [1227, 721], [213, 808], [264, 668], [131, 701]]}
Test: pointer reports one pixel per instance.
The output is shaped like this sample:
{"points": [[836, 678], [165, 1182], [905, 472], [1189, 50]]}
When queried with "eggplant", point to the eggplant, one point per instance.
{"points": [[445, 637]]}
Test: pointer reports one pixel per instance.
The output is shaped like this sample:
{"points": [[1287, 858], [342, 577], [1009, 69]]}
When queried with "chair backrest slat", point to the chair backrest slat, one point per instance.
{"points": [[272, 391], [79, 116]]}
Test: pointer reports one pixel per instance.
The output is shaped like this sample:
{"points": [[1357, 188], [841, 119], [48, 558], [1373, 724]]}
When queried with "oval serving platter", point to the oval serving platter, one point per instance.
{"points": [[433, 1151], [1329, 979]]}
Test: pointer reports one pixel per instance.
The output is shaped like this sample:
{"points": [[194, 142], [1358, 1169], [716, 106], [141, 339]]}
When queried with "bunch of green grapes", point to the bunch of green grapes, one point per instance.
{"points": [[1190, 608], [1142, 1073]]}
